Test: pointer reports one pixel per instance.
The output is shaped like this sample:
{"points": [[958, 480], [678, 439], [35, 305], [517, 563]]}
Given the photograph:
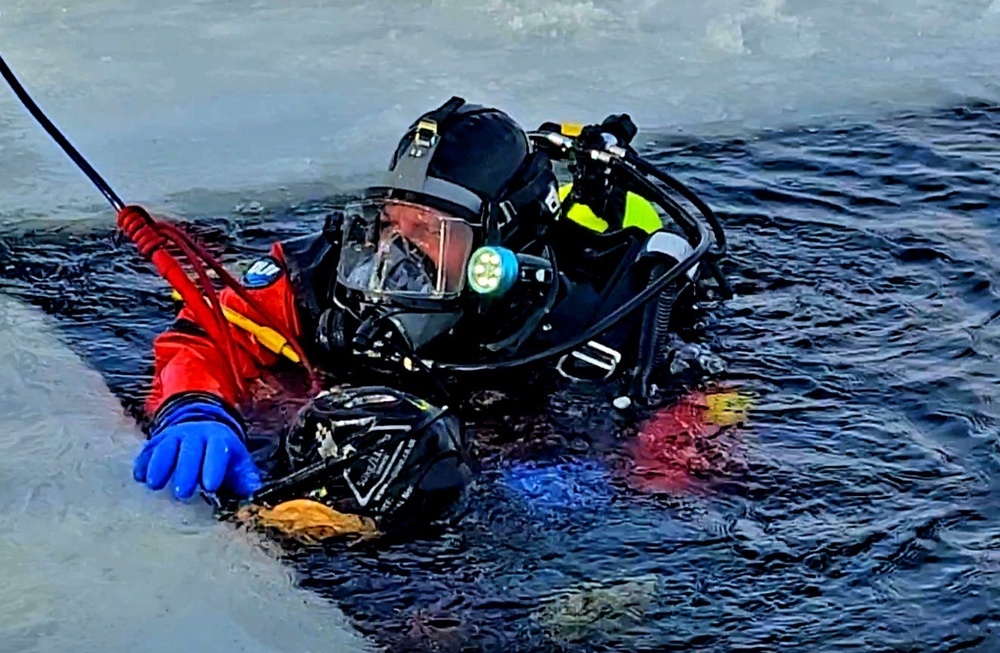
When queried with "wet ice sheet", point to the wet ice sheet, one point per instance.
{"points": [[91, 561]]}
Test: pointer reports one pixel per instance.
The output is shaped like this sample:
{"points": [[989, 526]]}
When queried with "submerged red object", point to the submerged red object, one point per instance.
{"points": [[686, 443]]}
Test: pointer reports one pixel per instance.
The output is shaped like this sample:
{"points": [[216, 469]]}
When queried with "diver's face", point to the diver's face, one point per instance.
{"points": [[423, 228]]}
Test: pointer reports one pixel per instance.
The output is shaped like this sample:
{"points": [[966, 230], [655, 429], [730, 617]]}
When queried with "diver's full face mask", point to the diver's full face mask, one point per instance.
{"points": [[392, 249], [408, 262]]}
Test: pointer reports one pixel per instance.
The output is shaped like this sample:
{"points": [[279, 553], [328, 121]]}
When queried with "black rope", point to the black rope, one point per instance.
{"points": [[54, 132]]}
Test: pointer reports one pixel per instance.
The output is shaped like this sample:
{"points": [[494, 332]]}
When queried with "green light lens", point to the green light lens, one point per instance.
{"points": [[491, 270]]}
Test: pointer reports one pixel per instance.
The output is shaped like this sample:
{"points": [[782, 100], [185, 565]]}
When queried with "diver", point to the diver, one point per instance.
{"points": [[467, 261]]}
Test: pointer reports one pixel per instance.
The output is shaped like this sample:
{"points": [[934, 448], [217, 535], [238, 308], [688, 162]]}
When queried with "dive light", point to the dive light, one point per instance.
{"points": [[492, 270]]}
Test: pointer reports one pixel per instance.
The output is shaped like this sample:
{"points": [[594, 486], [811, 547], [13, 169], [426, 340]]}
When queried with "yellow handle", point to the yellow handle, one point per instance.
{"points": [[571, 128], [266, 336]]}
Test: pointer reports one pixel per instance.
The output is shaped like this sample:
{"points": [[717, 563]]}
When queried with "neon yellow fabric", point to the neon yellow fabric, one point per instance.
{"points": [[728, 408], [639, 212]]}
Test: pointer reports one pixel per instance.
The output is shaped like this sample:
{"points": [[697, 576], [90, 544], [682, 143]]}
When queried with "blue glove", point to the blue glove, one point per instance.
{"points": [[198, 442]]}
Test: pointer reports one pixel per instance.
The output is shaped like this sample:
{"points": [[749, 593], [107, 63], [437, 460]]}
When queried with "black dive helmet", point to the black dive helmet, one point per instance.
{"points": [[378, 452], [463, 178]]}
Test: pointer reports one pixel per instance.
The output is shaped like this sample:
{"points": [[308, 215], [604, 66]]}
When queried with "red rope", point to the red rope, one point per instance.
{"points": [[259, 316], [224, 336], [151, 236]]}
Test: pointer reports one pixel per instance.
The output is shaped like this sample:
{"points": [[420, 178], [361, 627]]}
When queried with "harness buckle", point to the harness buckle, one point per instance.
{"points": [[506, 215], [591, 356]]}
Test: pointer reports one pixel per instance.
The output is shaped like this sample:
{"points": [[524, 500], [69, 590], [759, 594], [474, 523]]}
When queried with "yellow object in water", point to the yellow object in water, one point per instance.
{"points": [[639, 212], [309, 521], [727, 408]]}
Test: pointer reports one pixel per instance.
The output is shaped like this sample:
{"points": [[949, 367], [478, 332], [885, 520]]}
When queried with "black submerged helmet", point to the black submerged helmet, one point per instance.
{"points": [[463, 176], [378, 452]]}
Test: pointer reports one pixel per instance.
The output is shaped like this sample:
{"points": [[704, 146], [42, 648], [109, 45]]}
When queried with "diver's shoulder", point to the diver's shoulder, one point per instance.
{"points": [[310, 261], [300, 251]]}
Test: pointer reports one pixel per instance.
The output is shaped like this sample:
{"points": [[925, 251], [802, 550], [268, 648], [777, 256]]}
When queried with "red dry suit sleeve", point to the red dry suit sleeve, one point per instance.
{"points": [[185, 359]]}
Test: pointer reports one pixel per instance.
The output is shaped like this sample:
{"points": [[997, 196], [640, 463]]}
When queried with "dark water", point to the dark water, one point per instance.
{"points": [[863, 514]]}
